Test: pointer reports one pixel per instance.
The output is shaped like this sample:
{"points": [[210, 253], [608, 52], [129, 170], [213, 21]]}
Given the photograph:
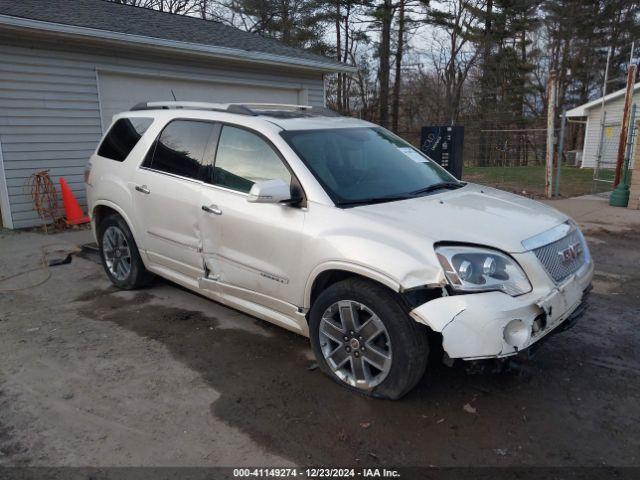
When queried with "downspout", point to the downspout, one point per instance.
{"points": [[5, 206]]}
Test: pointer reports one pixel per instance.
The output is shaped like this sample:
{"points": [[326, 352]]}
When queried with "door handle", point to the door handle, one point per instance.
{"points": [[143, 189], [212, 209]]}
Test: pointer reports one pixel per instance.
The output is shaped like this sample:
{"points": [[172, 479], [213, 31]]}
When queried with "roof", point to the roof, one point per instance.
{"points": [[278, 110], [287, 117], [142, 26], [319, 123], [581, 111]]}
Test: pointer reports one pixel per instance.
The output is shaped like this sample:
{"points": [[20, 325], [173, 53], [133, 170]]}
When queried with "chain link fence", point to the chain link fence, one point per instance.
{"points": [[607, 156], [513, 159]]}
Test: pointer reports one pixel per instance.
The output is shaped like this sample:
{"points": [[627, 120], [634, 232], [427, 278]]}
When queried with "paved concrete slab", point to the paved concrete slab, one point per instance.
{"points": [[593, 212]]}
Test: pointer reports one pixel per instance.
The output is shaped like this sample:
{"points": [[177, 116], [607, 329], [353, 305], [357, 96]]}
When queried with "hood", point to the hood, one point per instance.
{"points": [[471, 214]]}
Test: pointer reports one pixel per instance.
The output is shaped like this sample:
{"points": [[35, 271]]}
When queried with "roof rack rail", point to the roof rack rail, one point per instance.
{"points": [[274, 106], [252, 109], [222, 107]]}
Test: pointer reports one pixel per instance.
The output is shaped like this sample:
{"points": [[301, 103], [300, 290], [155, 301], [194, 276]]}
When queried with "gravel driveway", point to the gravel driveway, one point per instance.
{"points": [[93, 376]]}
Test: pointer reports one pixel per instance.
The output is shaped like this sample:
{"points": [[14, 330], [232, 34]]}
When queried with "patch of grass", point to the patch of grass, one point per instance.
{"points": [[529, 180]]}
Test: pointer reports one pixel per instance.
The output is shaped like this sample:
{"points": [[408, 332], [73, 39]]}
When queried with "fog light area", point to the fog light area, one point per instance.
{"points": [[516, 333]]}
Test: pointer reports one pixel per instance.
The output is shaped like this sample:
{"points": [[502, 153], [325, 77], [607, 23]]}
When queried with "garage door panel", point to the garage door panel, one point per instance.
{"points": [[120, 92]]}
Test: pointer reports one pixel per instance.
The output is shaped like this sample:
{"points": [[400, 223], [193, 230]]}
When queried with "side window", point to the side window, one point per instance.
{"points": [[123, 135], [181, 149], [244, 158]]}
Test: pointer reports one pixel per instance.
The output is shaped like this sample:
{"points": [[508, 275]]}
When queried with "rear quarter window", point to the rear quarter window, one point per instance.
{"points": [[123, 135]]}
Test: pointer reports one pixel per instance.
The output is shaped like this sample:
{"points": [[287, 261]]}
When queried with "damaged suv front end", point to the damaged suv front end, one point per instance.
{"points": [[497, 304], [492, 272]]}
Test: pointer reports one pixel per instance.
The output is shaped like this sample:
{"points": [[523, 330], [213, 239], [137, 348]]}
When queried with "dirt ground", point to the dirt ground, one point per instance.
{"points": [[93, 376]]}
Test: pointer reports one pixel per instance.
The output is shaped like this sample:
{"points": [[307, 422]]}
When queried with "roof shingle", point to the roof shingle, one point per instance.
{"points": [[113, 17]]}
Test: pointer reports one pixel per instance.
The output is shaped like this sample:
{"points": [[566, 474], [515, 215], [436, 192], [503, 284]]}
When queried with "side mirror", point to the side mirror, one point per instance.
{"points": [[270, 191]]}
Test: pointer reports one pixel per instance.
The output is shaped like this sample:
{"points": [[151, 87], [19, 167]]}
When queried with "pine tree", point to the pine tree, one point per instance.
{"points": [[297, 23]]}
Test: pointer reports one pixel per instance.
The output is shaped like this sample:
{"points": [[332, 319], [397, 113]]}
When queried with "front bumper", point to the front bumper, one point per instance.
{"points": [[565, 325], [473, 325]]}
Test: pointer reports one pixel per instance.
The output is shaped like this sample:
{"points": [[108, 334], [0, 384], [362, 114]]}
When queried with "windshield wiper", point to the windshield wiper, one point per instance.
{"points": [[371, 201], [438, 186], [406, 196]]}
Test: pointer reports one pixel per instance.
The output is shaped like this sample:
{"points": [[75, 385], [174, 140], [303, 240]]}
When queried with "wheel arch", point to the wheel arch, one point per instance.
{"points": [[103, 208], [332, 272]]}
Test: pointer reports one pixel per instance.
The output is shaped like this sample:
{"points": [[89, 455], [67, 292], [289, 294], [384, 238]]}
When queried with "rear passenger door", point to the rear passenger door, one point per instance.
{"points": [[167, 195]]}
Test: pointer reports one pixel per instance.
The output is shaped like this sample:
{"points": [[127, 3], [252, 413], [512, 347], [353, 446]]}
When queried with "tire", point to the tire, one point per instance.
{"points": [[120, 256], [392, 362]]}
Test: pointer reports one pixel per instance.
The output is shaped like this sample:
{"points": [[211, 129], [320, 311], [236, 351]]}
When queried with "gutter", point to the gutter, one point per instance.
{"points": [[581, 110], [175, 45]]}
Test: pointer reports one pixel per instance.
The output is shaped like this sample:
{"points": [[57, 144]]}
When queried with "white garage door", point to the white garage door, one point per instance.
{"points": [[120, 92]]}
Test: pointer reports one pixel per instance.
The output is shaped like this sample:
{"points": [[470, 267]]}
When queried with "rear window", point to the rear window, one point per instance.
{"points": [[122, 137]]}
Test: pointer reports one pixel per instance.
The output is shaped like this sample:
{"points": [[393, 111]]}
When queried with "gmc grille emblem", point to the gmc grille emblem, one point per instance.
{"points": [[571, 253]]}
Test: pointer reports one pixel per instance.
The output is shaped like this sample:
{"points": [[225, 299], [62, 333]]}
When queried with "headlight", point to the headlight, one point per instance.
{"points": [[583, 242], [475, 269]]}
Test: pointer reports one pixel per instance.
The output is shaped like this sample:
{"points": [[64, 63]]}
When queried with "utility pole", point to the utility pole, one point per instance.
{"points": [[624, 127], [620, 195], [551, 121]]}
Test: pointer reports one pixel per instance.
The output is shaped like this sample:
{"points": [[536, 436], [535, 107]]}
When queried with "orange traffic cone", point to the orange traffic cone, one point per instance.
{"points": [[74, 213]]}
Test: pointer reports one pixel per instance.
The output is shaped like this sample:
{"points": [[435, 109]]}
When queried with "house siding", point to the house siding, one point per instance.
{"points": [[614, 110], [50, 108]]}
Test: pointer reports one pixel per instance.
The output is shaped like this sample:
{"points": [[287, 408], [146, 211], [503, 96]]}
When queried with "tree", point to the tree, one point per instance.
{"points": [[383, 15], [345, 14], [400, 44], [297, 23], [454, 57], [486, 64]]}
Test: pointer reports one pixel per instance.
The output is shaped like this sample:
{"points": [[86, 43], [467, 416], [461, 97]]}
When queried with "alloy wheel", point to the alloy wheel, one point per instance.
{"points": [[116, 251], [355, 344]]}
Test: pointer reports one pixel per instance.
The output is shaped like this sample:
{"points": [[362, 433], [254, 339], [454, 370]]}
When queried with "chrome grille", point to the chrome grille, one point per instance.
{"points": [[555, 262]]}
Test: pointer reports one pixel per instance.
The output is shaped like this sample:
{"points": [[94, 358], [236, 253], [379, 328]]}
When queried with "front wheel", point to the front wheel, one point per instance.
{"points": [[364, 339]]}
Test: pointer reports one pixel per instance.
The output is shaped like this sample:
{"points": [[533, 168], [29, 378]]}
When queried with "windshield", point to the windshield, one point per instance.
{"points": [[367, 165]]}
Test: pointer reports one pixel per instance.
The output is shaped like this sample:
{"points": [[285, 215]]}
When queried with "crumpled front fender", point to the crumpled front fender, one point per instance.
{"points": [[472, 325]]}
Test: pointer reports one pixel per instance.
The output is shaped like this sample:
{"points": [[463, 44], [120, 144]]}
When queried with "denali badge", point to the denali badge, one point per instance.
{"points": [[572, 252]]}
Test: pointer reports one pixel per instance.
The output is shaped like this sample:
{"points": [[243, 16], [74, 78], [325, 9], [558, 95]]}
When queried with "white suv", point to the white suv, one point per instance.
{"points": [[336, 229]]}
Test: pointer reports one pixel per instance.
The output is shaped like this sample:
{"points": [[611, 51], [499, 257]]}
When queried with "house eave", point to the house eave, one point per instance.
{"points": [[211, 51], [582, 110]]}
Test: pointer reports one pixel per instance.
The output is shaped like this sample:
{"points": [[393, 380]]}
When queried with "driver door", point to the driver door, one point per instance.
{"points": [[251, 250]]}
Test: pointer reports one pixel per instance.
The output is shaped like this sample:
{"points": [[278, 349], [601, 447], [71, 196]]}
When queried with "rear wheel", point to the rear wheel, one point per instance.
{"points": [[364, 339], [119, 254]]}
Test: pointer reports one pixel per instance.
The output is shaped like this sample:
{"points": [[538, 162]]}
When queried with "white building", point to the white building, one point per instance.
{"points": [[592, 113], [68, 66]]}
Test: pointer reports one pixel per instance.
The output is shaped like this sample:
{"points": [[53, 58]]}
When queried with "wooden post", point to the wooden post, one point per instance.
{"points": [[551, 120], [624, 127]]}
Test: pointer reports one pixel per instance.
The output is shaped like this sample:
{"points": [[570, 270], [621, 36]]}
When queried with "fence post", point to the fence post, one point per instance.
{"points": [[603, 114], [551, 118]]}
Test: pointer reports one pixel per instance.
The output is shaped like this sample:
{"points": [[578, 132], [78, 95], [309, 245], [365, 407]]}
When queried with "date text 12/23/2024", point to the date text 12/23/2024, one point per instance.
{"points": [[286, 473]]}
